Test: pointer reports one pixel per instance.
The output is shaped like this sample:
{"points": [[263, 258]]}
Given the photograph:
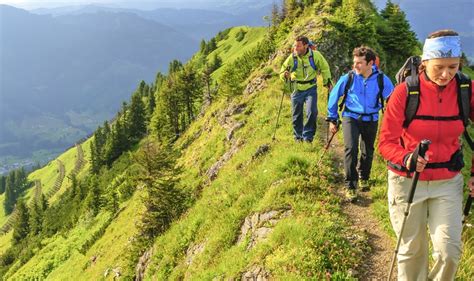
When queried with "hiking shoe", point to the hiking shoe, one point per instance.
{"points": [[350, 195], [364, 185]]}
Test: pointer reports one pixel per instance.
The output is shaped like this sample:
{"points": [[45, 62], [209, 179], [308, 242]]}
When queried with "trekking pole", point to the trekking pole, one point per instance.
{"points": [[278, 116], [328, 142], [419, 151], [279, 110], [467, 208]]}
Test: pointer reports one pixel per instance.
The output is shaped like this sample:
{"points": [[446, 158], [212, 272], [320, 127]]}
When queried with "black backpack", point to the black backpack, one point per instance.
{"points": [[409, 73], [350, 80]]}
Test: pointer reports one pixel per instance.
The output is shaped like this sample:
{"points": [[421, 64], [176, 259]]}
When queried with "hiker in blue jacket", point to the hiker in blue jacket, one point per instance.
{"points": [[364, 90]]}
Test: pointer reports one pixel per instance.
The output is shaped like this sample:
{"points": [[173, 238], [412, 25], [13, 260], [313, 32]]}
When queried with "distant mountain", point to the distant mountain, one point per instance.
{"points": [[62, 76], [197, 23], [426, 16]]}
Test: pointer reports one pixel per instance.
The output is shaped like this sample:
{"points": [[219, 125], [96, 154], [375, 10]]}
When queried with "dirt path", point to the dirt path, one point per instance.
{"points": [[376, 262]]}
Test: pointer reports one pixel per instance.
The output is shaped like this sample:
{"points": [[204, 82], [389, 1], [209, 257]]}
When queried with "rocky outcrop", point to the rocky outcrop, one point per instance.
{"points": [[257, 84], [214, 170], [256, 273], [142, 264], [258, 226], [193, 251]]}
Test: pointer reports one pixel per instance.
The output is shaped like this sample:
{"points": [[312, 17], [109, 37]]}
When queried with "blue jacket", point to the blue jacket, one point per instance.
{"points": [[361, 98]]}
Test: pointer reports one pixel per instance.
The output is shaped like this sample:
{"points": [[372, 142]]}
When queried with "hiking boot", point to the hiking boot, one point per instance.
{"points": [[350, 195], [364, 185]]}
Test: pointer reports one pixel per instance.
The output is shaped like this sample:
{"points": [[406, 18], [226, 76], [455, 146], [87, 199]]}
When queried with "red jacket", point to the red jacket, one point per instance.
{"points": [[444, 135]]}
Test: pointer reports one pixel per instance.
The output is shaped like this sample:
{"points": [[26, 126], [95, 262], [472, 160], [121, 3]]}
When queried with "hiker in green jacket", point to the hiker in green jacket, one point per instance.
{"points": [[301, 67]]}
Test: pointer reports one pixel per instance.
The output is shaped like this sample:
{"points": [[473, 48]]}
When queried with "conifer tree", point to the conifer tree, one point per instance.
{"points": [[3, 182], [10, 193], [203, 47], [137, 118], [174, 66], [212, 45], [396, 37], [207, 81], [163, 201], [93, 201], [36, 214], [190, 89], [276, 16], [21, 226]]}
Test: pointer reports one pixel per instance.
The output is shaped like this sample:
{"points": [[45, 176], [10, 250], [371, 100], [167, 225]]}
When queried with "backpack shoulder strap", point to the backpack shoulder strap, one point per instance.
{"points": [[464, 85], [295, 62], [413, 99], [350, 80], [464, 96], [380, 83], [311, 59]]}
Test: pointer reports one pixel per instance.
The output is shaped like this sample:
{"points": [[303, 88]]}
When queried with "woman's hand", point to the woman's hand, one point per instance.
{"points": [[420, 163]]}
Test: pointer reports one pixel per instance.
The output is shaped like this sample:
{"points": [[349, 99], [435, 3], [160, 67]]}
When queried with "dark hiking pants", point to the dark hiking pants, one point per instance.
{"points": [[352, 130]]}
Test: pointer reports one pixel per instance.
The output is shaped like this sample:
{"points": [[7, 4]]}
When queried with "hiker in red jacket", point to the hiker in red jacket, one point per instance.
{"points": [[439, 192]]}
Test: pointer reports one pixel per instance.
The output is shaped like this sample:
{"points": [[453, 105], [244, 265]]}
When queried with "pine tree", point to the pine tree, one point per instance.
{"points": [[21, 226], [97, 149], [165, 122], [203, 47], [93, 199], [207, 81], [174, 66], [276, 16], [164, 201], [137, 118], [212, 45], [216, 62], [141, 88], [396, 37], [3, 182], [113, 201], [189, 87], [10, 193], [36, 217]]}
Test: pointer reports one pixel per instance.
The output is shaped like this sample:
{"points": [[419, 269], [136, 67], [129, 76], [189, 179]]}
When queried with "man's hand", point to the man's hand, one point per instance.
{"points": [[286, 74], [328, 85], [333, 128]]}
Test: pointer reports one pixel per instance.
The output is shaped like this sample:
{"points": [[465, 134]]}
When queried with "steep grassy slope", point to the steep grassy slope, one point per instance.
{"points": [[312, 239]]}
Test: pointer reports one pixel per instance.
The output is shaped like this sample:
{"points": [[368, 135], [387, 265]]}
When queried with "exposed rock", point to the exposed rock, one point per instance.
{"points": [[117, 272], [259, 226], [214, 170], [257, 273], [142, 264], [230, 132], [261, 150], [193, 251], [257, 84], [93, 259], [227, 122]]}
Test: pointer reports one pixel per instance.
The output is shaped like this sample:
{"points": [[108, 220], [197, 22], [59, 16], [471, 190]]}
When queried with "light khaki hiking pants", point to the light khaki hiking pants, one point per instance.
{"points": [[438, 205]]}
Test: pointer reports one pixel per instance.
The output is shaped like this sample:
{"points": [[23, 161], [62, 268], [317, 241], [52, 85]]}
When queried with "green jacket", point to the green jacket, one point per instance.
{"points": [[304, 71]]}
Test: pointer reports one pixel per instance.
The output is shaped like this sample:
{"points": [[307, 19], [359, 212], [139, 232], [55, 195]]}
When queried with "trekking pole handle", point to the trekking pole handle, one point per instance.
{"points": [[419, 151]]}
